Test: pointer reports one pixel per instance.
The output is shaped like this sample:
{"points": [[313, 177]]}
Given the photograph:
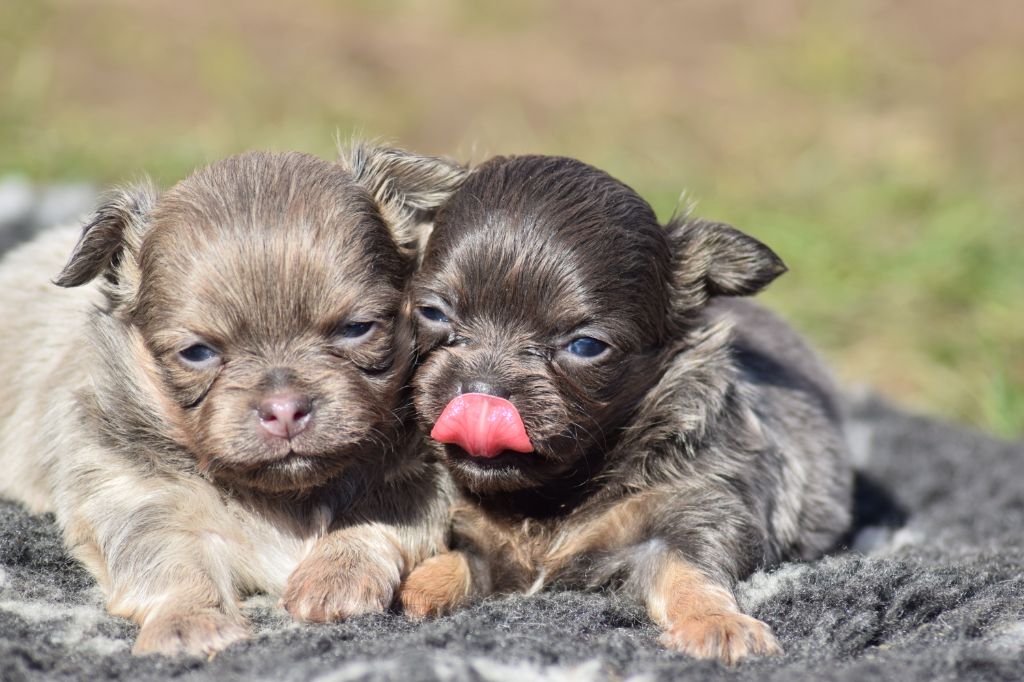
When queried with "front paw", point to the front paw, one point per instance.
{"points": [[728, 637], [321, 590], [197, 633], [436, 586]]}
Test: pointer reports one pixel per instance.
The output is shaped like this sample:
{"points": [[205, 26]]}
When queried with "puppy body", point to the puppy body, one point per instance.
{"points": [[700, 443], [221, 411], [34, 360]]}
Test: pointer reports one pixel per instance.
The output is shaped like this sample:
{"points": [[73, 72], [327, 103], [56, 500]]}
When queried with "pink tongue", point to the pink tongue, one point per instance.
{"points": [[482, 425]]}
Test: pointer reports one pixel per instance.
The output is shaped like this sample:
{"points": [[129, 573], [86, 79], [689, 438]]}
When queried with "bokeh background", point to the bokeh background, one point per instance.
{"points": [[877, 146]]}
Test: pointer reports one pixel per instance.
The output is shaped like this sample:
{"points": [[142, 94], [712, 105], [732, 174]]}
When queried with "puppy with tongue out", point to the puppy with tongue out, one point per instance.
{"points": [[611, 412]]}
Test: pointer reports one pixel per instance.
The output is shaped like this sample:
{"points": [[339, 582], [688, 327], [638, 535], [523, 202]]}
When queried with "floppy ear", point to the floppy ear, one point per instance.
{"points": [[117, 225], [715, 259], [407, 187]]}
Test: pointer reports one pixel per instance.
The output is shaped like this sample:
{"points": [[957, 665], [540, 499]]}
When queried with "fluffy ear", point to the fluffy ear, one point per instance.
{"points": [[715, 259], [407, 187], [117, 225]]}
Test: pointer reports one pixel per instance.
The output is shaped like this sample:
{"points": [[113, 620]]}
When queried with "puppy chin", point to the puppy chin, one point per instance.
{"points": [[292, 473], [505, 473], [274, 466]]}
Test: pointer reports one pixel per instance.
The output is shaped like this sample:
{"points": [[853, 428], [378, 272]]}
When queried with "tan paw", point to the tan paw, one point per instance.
{"points": [[323, 591], [197, 633], [436, 586], [728, 637]]}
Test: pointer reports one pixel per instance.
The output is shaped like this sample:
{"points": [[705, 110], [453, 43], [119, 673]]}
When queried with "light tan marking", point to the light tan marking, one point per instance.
{"points": [[437, 586], [351, 571], [702, 619]]}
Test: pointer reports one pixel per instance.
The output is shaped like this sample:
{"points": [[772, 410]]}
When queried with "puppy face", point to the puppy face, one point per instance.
{"points": [[266, 291], [550, 284]]}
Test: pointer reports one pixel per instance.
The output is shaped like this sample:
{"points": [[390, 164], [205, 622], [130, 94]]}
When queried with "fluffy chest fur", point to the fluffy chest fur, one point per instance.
{"points": [[525, 554], [267, 541]]}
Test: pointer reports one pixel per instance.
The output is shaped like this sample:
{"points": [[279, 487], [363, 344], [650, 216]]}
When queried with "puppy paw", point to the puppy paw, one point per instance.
{"points": [[436, 586], [197, 633], [321, 590], [728, 637]]}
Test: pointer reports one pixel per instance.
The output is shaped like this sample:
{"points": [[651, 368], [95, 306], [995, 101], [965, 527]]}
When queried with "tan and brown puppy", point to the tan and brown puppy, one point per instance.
{"points": [[216, 407], [610, 413]]}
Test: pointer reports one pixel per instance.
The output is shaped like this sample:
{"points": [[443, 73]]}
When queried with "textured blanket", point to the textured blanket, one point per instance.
{"points": [[930, 587]]}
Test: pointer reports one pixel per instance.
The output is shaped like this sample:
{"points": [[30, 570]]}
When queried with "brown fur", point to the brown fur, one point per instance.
{"points": [[322, 589], [700, 443], [283, 271]]}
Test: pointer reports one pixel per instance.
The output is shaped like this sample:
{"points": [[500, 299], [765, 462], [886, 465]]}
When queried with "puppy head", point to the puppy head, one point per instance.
{"points": [[265, 292], [550, 287]]}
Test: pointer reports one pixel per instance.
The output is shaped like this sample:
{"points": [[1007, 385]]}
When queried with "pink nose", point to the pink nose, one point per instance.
{"points": [[285, 415]]}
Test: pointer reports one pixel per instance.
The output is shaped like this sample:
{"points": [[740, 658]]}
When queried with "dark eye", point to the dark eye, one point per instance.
{"points": [[586, 347], [199, 354], [433, 314], [354, 330]]}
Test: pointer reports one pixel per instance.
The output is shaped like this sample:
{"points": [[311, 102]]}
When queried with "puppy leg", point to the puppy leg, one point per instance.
{"points": [[701, 618], [351, 571], [180, 604], [197, 631], [164, 564], [181, 595], [437, 586]]}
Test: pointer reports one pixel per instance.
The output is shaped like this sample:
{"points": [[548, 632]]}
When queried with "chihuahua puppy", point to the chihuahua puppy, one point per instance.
{"points": [[611, 415], [216, 407]]}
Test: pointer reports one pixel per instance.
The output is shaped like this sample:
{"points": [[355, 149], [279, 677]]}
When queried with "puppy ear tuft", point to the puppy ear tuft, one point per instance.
{"points": [[715, 259], [407, 187], [117, 224]]}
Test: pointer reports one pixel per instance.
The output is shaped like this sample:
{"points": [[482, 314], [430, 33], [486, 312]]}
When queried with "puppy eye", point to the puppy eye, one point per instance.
{"points": [[586, 347], [433, 314], [355, 330], [199, 355]]}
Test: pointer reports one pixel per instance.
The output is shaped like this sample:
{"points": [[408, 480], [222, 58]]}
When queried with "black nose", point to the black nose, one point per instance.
{"points": [[485, 387]]}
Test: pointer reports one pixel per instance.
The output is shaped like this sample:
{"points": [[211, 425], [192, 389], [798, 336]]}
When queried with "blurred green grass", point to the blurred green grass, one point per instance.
{"points": [[875, 145]]}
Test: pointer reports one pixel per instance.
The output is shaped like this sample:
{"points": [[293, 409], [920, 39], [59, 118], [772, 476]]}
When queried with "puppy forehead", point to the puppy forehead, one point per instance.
{"points": [[283, 281], [547, 237], [281, 239], [504, 271]]}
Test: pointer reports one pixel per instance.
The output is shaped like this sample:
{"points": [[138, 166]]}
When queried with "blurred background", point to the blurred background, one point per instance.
{"points": [[877, 146]]}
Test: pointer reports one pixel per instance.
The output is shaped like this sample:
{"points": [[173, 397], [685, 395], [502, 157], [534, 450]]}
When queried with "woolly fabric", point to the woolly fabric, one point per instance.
{"points": [[931, 587]]}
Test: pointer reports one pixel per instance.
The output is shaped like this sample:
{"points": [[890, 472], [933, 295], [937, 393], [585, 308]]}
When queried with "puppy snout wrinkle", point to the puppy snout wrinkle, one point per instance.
{"points": [[285, 415], [485, 387]]}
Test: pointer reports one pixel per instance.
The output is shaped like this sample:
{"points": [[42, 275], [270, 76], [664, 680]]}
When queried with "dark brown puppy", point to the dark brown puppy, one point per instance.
{"points": [[680, 438], [216, 407]]}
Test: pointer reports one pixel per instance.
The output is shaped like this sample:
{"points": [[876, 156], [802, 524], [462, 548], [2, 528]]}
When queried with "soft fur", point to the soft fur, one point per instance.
{"points": [[284, 267], [703, 443]]}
